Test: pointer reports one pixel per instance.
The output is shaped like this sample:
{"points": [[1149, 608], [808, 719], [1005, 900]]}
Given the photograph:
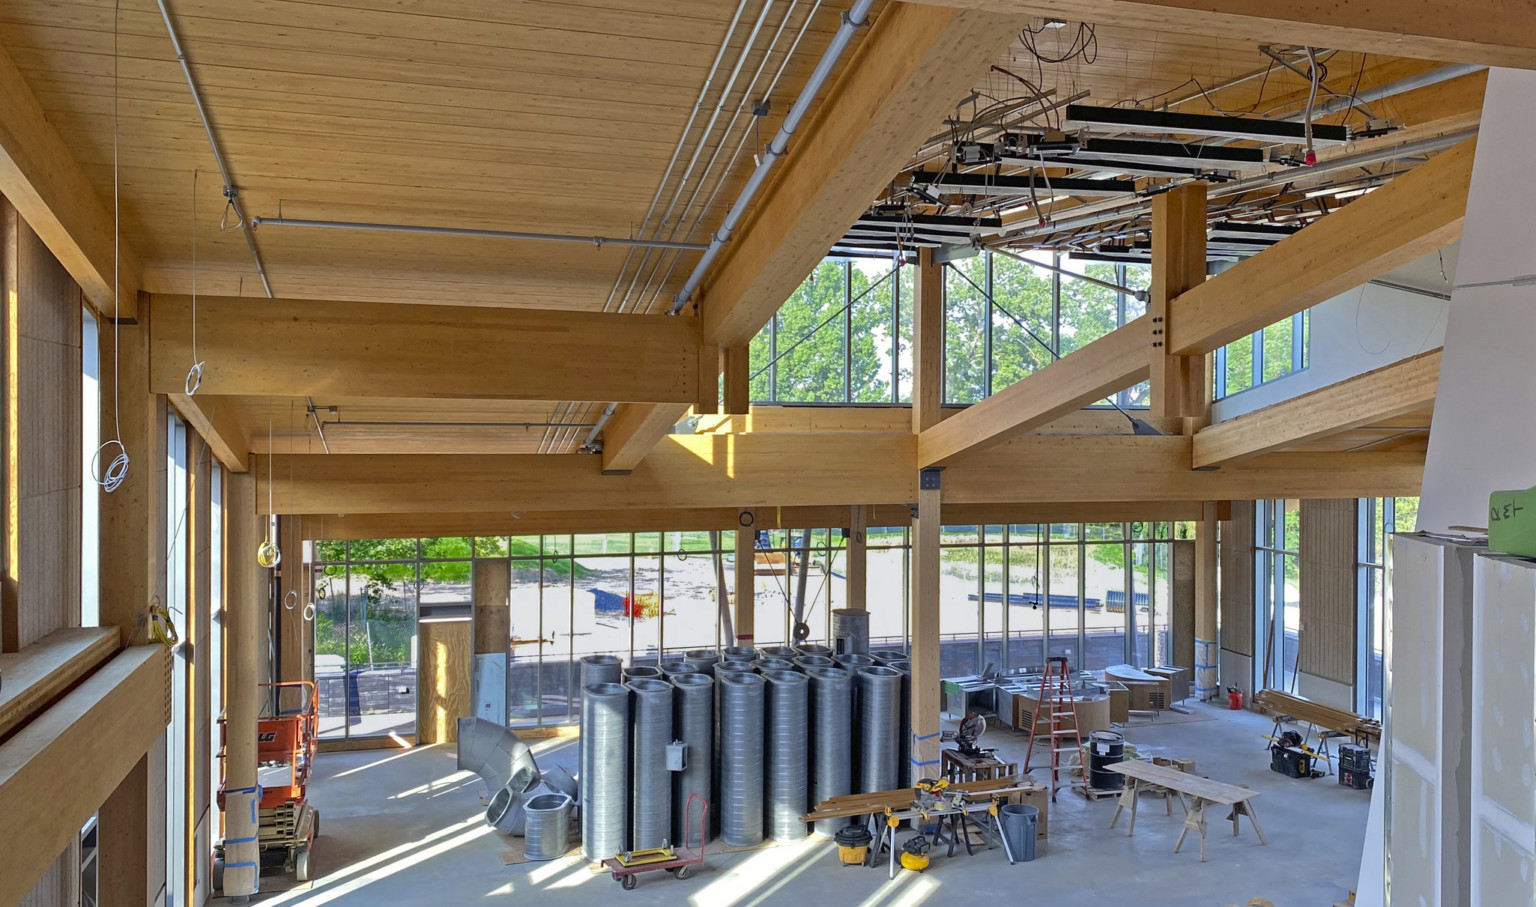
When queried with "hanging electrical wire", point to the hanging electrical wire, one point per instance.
{"points": [[267, 553], [195, 373], [1313, 74], [110, 469]]}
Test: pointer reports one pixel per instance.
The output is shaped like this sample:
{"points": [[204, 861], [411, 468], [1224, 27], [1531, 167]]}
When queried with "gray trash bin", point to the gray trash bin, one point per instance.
{"points": [[1019, 823]]}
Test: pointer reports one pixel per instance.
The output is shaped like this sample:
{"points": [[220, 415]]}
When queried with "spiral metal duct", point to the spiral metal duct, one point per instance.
{"points": [[904, 725], [785, 652], [735, 666], [853, 661], [703, 660], [693, 715], [547, 834], [850, 631], [642, 672], [831, 743], [651, 791], [594, 669], [786, 773], [879, 702], [814, 649], [741, 758], [887, 656], [604, 769], [806, 662], [738, 653], [670, 669], [764, 665]]}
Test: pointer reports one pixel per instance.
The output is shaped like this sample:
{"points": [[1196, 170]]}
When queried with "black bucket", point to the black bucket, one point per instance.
{"points": [[1105, 748]]}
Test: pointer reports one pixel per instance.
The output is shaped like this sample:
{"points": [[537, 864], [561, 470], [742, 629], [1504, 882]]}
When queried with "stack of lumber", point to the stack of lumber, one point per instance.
{"points": [[851, 805], [1327, 717]]}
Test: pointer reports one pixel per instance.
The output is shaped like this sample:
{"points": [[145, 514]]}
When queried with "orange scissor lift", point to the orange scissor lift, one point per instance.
{"points": [[287, 824]]}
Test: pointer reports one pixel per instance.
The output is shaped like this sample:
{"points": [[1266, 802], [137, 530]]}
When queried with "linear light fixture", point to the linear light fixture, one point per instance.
{"points": [[1174, 154], [1158, 122], [1016, 186]]}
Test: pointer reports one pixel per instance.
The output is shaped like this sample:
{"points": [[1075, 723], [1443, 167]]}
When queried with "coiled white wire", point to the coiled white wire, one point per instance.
{"points": [[111, 470]]}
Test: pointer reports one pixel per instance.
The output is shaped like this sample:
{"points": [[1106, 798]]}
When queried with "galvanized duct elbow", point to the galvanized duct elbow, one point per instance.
{"points": [[494, 752]]}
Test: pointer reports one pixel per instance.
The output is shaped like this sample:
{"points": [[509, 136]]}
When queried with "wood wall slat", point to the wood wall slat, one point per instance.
{"points": [[1327, 560], [1237, 580]]}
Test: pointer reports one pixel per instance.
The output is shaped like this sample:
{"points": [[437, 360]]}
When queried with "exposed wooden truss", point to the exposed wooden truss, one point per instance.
{"points": [[1384, 394]]}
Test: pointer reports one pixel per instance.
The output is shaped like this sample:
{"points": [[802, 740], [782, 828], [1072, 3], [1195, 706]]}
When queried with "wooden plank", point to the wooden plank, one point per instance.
{"points": [[737, 369], [927, 343], [857, 567], [1482, 32], [491, 586], [906, 75], [1376, 396], [446, 651], [1112, 363], [61, 767], [1179, 387], [40, 176], [45, 670], [1185, 782], [216, 420], [293, 348], [1411, 216], [633, 431]]}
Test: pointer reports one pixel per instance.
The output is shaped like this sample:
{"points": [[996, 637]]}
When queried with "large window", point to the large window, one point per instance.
{"points": [[845, 335], [1279, 350], [1277, 590], [1378, 519]]}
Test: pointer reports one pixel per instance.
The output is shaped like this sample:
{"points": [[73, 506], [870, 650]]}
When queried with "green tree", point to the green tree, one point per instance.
{"points": [[1024, 293]]}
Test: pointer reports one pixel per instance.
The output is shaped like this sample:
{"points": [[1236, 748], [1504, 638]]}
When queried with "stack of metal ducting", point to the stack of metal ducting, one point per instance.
{"points": [[670, 669], [787, 772], [814, 649], [595, 669], [735, 666], [904, 725], [806, 662], [886, 656], [693, 717], [741, 757], [651, 794], [642, 672], [604, 769], [766, 664], [738, 653], [852, 661], [703, 660], [850, 631], [879, 700], [831, 740], [787, 653]]}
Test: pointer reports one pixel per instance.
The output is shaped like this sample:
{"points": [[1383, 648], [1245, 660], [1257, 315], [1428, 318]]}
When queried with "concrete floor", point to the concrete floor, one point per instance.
{"points": [[404, 827]]}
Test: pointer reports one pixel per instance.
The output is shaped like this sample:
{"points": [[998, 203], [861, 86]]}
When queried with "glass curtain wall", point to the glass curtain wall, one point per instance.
{"points": [[845, 335], [1277, 595], [1378, 519]]}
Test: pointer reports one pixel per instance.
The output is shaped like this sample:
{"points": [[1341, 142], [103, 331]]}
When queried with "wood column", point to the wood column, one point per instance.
{"points": [[245, 606], [296, 638], [746, 577], [1207, 683], [1180, 386], [491, 592], [927, 342], [710, 363], [924, 745], [856, 568], [131, 557], [736, 366]]}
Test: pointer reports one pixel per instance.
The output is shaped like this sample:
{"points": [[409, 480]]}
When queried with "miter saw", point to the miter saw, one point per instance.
{"points": [[966, 735]]}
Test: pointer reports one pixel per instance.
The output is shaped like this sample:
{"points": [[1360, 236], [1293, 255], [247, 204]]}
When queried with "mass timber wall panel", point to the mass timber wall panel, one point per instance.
{"points": [[1237, 540], [42, 438], [292, 348], [1328, 609], [443, 688]]}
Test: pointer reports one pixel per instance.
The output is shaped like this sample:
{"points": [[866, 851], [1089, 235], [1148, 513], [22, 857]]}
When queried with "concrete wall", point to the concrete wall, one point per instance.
{"points": [[1363, 329]]}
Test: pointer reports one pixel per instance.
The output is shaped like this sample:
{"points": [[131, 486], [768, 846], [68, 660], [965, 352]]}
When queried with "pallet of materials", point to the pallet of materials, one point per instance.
{"points": [[1277, 703]]}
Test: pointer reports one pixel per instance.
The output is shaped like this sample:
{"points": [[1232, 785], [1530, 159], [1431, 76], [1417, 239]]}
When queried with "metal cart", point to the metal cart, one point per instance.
{"points": [[680, 863]]}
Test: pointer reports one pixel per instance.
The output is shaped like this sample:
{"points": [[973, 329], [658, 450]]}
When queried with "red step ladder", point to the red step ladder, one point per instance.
{"points": [[1056, 695]]}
